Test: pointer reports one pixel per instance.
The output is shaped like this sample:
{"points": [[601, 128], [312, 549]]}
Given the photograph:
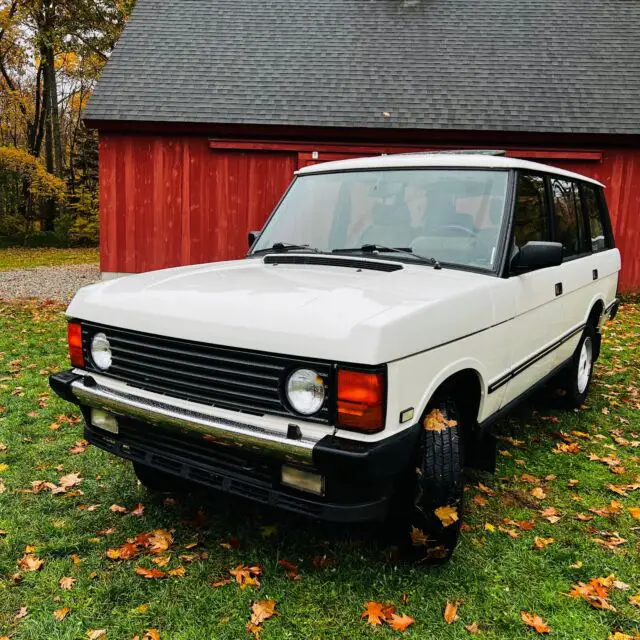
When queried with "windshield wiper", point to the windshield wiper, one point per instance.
{"points": [[380, 248], [283, 247]]}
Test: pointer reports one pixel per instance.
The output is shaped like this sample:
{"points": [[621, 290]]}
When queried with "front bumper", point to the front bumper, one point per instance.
{"points": [[242, 458]]}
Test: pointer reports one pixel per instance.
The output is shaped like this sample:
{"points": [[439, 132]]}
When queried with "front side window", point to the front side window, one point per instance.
{"points": [[531, 219], [596, 227], [568, 218], [452, 215]]}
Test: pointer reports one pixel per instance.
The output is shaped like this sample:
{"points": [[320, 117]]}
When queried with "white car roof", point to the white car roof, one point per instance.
{"points": [[449, 160]]}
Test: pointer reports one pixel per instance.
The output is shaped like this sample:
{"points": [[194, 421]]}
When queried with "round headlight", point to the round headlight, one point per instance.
{"points": [[101, 351], [305, 391]]}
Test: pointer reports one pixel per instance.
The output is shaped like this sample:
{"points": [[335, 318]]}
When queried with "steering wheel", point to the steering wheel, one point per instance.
{"points": [[457, 227]]}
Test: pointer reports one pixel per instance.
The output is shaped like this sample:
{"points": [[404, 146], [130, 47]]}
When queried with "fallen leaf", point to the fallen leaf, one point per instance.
{"points": [[247, 576], [179, 571], [290, 568], [138, 510], [400, 623], [538, 492], [481, 501], [268, 530], [67, 583], [447, 515], [150, 574], [221, 583], [61, 614], [22, 613], [96, 634], [635, 600], [635, 512], [535, 622], [262, 610], [436, 421], [576, 565], [418, 537], [151, 634], [541, 543], [79, 447], [451, 611], [116, 508], [377, 612], [70, 480], [29, 562], [472, 628]]}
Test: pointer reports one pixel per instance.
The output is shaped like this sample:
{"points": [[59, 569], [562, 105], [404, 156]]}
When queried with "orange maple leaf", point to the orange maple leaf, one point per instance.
{"points": [[377, 612], [447, 515], [451, 611], [262, 610], [436, 421], [541, 543], [535, 622], [61, 614], [399, 623], [635, 512], [29, 562], [247, 576], [67, 583], [151, 634], [150, 574]]}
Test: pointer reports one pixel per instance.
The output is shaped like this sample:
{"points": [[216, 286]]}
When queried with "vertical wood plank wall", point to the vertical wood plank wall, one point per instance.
{"points": [[171, 200]]}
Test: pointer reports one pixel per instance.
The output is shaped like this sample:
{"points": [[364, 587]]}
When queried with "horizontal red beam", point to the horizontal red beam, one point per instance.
{"points": [[309, 147], [584, 156]]}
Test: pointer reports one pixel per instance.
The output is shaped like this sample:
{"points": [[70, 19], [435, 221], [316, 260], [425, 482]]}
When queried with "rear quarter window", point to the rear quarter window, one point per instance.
{"points": [[597, 217]]}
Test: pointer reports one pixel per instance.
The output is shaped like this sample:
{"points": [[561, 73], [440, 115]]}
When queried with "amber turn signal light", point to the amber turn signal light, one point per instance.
{"points": [[361, 400], [74, 337]]}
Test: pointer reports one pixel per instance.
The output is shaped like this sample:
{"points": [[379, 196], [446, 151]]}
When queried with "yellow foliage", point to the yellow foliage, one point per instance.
{"points": [[42, 184]]}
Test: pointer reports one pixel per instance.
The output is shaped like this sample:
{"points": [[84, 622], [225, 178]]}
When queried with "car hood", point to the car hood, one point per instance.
{"points": [[331, 312]]}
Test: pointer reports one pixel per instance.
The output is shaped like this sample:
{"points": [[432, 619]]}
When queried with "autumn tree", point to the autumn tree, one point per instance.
{"points": [[51, 54]]}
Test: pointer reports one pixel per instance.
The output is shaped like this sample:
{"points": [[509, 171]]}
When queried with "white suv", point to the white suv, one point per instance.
{"points": [[391, 310]]}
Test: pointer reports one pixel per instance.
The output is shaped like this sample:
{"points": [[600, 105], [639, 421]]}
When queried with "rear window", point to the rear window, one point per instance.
{"points": [[568, 216], [595, 216]]}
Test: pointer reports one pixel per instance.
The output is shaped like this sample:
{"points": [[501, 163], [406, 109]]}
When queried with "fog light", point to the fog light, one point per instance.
{"points": [[103, 420], [303, 480]]}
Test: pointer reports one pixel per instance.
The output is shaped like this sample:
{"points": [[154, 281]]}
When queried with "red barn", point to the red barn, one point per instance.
{"points": [[207, 107]]}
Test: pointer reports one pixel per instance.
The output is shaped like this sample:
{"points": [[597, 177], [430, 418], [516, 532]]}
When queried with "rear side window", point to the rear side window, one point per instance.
{"points": [[597, 228], [530, 220], [568, 216]]}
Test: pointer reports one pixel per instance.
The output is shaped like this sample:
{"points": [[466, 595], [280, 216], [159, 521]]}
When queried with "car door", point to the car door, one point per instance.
{"points": [[589, 266], [537, 322]]}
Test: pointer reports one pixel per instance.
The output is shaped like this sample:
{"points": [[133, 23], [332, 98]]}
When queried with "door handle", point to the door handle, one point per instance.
{"points": [[595, 274], [558, 288]]}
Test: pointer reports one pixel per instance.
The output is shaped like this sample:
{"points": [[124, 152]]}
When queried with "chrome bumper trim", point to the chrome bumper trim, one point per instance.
{"points": [[211, 428]]}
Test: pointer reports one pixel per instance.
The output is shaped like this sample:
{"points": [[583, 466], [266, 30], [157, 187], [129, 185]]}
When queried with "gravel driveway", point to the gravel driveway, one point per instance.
{"points": [[56, 283]]}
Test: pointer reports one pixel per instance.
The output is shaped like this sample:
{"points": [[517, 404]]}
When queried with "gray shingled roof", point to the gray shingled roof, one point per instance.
{"points": [[520, 65]]}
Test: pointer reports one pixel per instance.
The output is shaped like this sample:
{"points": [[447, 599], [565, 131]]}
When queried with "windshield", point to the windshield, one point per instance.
{"points": [[453, 216]]}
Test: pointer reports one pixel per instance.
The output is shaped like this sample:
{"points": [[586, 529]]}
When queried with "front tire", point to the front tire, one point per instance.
{"points": [[430, 524], [576, 379]]}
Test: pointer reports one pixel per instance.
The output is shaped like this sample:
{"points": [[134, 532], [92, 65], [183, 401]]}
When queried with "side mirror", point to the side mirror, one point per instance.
{"points": [[253, 237], [537, 255]]}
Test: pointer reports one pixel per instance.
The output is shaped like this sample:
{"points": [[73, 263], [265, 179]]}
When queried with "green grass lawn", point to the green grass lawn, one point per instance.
{"points": [[495, 573], [17, 258]]}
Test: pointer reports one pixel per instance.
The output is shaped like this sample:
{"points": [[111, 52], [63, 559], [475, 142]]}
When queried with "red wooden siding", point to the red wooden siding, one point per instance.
{"points": [[168, 201], [172, 200]]}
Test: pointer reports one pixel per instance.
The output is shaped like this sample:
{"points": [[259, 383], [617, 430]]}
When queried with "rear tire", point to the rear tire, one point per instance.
{"points": [[576, 379], [155, 480], [434, 487]]}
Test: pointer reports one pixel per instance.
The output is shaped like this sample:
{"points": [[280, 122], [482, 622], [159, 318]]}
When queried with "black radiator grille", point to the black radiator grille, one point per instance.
{"points": [[236, 379]]}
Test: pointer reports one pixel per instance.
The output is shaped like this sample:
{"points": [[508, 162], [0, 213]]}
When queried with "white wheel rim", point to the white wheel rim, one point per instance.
{"points": [[584, 364]]}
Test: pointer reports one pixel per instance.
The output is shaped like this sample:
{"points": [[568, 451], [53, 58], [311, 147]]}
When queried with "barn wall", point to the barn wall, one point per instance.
{"points": [[174, 200], [169, 201]]}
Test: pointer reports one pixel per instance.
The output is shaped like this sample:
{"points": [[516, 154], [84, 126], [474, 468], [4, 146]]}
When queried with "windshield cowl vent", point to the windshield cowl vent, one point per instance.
{"points": [[328, 261]]}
